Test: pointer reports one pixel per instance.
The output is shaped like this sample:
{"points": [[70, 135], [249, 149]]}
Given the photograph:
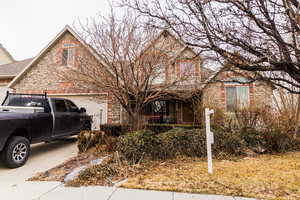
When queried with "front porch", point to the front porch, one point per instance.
{"points": [[171, 112]]}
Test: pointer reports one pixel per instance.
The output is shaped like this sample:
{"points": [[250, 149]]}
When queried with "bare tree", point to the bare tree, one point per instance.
{"points": [[131, 67], [254, 35]]}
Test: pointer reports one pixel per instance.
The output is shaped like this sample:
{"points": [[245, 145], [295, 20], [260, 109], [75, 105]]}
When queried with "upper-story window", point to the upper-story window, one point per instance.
{"points": [[68, 54], [159, 70], [187, 68]]}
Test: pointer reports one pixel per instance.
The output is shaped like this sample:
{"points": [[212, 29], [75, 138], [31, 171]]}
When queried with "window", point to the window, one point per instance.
{"points": [[160, 75], [60, 106], [187, 68], [68, 55], [160, 71], [72, 107], [237, 97]]}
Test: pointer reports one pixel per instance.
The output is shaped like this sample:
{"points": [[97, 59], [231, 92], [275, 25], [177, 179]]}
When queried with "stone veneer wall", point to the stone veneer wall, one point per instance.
{"points": [[44, 76]]}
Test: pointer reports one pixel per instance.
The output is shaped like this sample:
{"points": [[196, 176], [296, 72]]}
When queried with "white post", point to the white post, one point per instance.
{"points": [[209, 138]]}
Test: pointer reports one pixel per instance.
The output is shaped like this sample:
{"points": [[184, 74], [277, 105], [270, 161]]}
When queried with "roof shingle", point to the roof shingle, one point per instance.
{"points": [[13, 69]]}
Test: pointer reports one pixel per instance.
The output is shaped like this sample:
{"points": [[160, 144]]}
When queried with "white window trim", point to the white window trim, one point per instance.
{"points": [[69, 47]]}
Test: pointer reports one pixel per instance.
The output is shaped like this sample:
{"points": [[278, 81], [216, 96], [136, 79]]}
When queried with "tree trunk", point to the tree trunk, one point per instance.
{"points": [[136, 121]]}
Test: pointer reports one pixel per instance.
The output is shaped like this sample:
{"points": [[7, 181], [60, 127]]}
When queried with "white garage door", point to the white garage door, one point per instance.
{"points": [[2, 93], [98, 111]]}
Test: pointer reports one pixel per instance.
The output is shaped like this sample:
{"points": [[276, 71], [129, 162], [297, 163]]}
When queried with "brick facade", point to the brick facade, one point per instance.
{"points": [[214, 94]]}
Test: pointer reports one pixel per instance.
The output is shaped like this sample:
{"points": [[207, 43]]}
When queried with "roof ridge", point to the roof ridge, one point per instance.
{"points": [[23, 60]]}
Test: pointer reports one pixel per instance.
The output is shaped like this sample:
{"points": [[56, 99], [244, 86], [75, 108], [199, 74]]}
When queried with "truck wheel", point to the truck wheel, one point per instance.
{"points": [[16, 152]]}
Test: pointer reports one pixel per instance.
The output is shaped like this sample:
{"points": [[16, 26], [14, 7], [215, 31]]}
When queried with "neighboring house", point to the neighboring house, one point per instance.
{"points": [[5, 56], [8, 72], [41, 74], [9, 69]]}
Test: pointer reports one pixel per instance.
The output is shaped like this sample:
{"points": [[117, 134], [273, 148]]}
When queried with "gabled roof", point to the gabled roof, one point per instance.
{"points": [[11, 70], [50, 45], [6, 52], [164, 33]]}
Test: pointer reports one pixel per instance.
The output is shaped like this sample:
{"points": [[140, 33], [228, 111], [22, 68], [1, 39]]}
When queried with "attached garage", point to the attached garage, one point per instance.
{"points": [[94, 106]]}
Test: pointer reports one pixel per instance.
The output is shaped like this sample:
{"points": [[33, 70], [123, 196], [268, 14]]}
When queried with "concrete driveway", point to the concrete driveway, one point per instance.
{"points": [[43, 157]]}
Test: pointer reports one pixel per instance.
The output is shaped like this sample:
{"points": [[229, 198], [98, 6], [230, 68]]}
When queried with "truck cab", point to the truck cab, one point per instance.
{"points": [[33, 118]]}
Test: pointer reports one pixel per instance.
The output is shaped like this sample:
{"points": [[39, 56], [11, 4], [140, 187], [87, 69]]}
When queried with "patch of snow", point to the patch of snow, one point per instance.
{"points": [[74, 174], [71, 176], [98, 161]]}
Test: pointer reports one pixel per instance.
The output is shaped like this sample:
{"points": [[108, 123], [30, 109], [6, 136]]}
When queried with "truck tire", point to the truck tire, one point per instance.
{"points": [[16, 152]]}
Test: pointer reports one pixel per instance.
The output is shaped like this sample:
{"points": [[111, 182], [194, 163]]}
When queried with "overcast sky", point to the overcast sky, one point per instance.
{"points": [[27, 26]]}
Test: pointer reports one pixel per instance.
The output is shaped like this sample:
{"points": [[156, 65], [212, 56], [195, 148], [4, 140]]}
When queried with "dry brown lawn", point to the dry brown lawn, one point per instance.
{"points": [[263, 177]]}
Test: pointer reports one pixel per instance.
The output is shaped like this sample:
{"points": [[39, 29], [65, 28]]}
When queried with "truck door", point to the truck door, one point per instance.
{"points": [[74, 116], [62, 118]]}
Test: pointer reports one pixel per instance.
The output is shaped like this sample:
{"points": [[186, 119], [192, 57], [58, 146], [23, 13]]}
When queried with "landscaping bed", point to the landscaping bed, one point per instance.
{"points": [[251, 161], [59, 172]]}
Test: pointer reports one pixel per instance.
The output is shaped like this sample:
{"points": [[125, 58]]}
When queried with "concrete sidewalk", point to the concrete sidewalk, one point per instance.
{"points": [[57, 191]]}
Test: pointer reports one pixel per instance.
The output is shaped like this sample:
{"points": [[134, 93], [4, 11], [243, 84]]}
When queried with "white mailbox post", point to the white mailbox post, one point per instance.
{"points": [[209, 138]]}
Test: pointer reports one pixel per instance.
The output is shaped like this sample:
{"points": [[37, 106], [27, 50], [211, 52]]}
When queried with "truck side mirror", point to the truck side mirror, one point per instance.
{"points": [[82, 110]]}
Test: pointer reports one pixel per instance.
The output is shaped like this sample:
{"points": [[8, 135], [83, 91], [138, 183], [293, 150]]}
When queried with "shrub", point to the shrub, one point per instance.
{"points": [[89, 139], [254, 139], [114, 129], [250, 117], [137, 145], [101, 171], [268, 140], [178, 141], [234, 145], [278, 141], [160, 128], [110, 143]]}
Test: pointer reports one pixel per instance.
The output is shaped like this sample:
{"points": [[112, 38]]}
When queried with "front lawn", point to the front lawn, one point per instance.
{"points": [[264, 177]]}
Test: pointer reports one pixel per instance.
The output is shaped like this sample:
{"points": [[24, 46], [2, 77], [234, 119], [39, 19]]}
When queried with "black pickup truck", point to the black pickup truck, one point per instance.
{"points": [[26, 119]]}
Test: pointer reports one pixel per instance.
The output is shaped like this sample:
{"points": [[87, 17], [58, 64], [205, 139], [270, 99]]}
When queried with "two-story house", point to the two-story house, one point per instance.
{"points": [[41, 74]]}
